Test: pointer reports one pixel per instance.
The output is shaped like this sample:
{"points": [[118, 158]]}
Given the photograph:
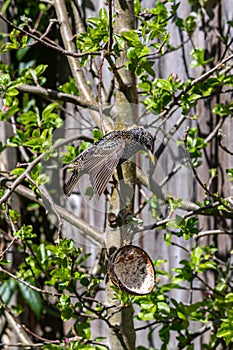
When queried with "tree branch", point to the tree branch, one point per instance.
{"points": [[57, 95], [74, 63], [20, 178], [36, 289], [205, 210], [20, 328], [65, 214]]}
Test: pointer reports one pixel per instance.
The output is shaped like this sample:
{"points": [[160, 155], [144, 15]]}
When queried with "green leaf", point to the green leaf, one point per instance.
{"points": [[164, 333], [225, 331], [5, 262], [2, 147], [229, 172], [5, 6], [65, 307], [69, 87], [131, 36], [49, 119], [5, 79], [97, 134], [25, 232], [223, 109], [12, 92], [137, 7], [83, 329], [199, 57], [40, 69], [21, 53], [181, 315], [7, 289], [24, 41], [100, 347], [9, 46], [188, 24], [32, 298], [163, 307], [103, 14], [147, 66], [196, 255], [29, 119]]}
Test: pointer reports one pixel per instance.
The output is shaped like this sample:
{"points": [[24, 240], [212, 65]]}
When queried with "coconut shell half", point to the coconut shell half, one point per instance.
{"points": [[130, 269]]}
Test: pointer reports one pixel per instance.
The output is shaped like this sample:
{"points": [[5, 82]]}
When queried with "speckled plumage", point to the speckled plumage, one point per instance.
{"points": [[101, 159]]}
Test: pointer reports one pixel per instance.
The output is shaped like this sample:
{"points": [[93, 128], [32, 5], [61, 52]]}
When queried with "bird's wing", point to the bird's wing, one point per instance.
{"points": [[100, 176], [102, 164]]}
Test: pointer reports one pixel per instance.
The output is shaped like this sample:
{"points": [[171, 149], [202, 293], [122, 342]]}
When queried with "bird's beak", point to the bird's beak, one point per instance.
{"points": [[152, 157]]}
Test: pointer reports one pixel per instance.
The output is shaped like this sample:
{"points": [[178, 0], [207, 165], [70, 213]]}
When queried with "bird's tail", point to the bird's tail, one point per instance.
{"points": [[72, 182]]}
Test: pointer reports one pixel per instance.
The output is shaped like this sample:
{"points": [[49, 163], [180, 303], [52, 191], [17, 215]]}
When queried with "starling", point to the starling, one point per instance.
{"points": [[101, 159]]}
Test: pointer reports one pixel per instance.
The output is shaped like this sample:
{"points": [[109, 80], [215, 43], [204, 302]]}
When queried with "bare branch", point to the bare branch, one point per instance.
{"points": [[21, 178], [224, 148], [100, 83], [8, 248], [210, 233], [74, 63], [21, 327], [18, 330], [110, 41], [57, 95]]}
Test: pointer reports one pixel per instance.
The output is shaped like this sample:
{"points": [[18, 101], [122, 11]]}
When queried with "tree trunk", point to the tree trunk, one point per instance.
{"points": [[125, 100]]}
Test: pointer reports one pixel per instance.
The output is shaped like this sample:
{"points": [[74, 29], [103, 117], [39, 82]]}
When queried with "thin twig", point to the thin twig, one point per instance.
{"points": [[212, 195], [110, 41], [199, 211], [21, 178], [51, 23], [4, 252], [45, 43], [224, 148], [36, 289], [100, 83]]}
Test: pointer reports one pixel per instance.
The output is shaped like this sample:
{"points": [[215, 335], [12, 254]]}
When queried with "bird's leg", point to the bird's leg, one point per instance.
{"points": [[114, 181], [120, 178]]}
